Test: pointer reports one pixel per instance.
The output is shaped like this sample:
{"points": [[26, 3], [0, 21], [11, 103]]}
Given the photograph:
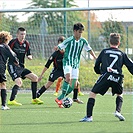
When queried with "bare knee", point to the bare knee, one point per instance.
{"points": [[3, 85], [18, 82], [92, 95], [34, 78]]}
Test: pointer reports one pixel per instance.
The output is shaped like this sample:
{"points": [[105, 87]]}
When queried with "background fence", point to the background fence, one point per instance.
{"points": [[44, 27]]}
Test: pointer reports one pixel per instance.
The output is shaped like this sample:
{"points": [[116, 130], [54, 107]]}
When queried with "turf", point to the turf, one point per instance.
{"points": [[48, 118]]}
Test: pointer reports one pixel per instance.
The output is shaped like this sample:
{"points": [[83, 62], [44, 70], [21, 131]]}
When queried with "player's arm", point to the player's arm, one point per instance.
{"points": [[47, 65], [128, 63], [61, 46], [12, 55], [43, 71], [93, 54], [88, 48], [28, 53], [97, 67]]}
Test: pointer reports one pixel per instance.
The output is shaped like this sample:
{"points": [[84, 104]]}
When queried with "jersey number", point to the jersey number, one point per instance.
{"points": [[110, 68], [114, 61]]}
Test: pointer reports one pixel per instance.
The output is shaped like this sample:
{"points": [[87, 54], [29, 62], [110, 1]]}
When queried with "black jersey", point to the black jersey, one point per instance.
{"points": [[5, 53], [56, 58], [112, 60], [21, 49]]}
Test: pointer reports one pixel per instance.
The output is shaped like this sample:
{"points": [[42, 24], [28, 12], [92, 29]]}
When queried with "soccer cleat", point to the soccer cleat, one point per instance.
{"points": [[14, 103], [36, 101], [56, 94], [5, 107], [81, 94], [119, 116], [59, 102], [87, 119], [78, 101]]}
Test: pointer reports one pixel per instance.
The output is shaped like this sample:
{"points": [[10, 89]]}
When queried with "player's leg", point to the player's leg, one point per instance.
{"points": [[75, 94], [119, 101], [101, 87], [90, 105], [58, 86], [66, 83], [75, 74], [44, 88], [3, 96], [18, 84], [118, 89], [65, 86], [79, 91], [34, 79], [15, 73]]}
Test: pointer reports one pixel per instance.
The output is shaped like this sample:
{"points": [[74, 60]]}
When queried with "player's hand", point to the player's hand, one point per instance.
{"points": [[29, 57]]}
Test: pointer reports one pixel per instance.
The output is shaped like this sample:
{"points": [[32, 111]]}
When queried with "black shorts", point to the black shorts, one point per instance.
{"points": [[55, 74], [16, 72], [3, 78], [115, 81]]}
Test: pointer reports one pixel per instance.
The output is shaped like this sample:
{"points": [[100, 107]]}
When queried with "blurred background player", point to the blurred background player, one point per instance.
{"points": [[58, 87], [57, 70], [71, 61], [5, 54], [21, 47]]}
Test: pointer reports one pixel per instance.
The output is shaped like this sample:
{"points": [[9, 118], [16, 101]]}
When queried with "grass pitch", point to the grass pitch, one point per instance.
{"points": [[48, 118]]}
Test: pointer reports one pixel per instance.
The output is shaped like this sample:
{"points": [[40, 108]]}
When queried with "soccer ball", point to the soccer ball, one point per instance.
{"points": [[67, 102]]}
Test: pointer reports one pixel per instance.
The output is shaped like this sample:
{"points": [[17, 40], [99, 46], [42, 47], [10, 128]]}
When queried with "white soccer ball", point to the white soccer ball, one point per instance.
{"points": [[67, 102]]}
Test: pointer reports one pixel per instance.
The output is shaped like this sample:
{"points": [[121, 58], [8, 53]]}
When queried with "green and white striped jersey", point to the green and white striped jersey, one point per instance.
{"points": [[73, 50]]}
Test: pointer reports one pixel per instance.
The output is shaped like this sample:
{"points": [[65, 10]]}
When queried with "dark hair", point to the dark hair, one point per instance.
{"points": [[114, 38], [78, 26], [21, 29], [61, 39]]}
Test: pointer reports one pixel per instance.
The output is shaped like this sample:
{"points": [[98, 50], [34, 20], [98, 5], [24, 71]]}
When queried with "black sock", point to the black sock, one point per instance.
{"points": [[3, 97], [34, 89], [119, 101], [14, 92], [90, 104], [75, 93], [41, 91]]}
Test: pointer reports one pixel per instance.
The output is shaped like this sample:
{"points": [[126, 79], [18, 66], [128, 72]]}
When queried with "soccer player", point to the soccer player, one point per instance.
{"points": [[21, 47], [57, 71], [73, 47], [109, 65], [58, 86], [5, 54]]}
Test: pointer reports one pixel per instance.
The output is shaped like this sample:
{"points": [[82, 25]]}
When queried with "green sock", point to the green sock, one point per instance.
{"points": [[70, 89], [64, 90]]}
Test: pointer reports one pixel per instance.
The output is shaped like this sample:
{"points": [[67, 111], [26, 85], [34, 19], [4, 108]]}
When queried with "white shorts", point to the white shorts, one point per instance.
{"points": [[74, 73]]}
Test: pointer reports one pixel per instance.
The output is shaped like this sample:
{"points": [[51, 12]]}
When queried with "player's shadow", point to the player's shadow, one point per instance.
{"points": [[40, 123]]}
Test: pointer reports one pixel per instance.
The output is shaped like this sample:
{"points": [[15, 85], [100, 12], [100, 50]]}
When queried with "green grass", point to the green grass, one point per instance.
{"points": [[48, 118]]}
